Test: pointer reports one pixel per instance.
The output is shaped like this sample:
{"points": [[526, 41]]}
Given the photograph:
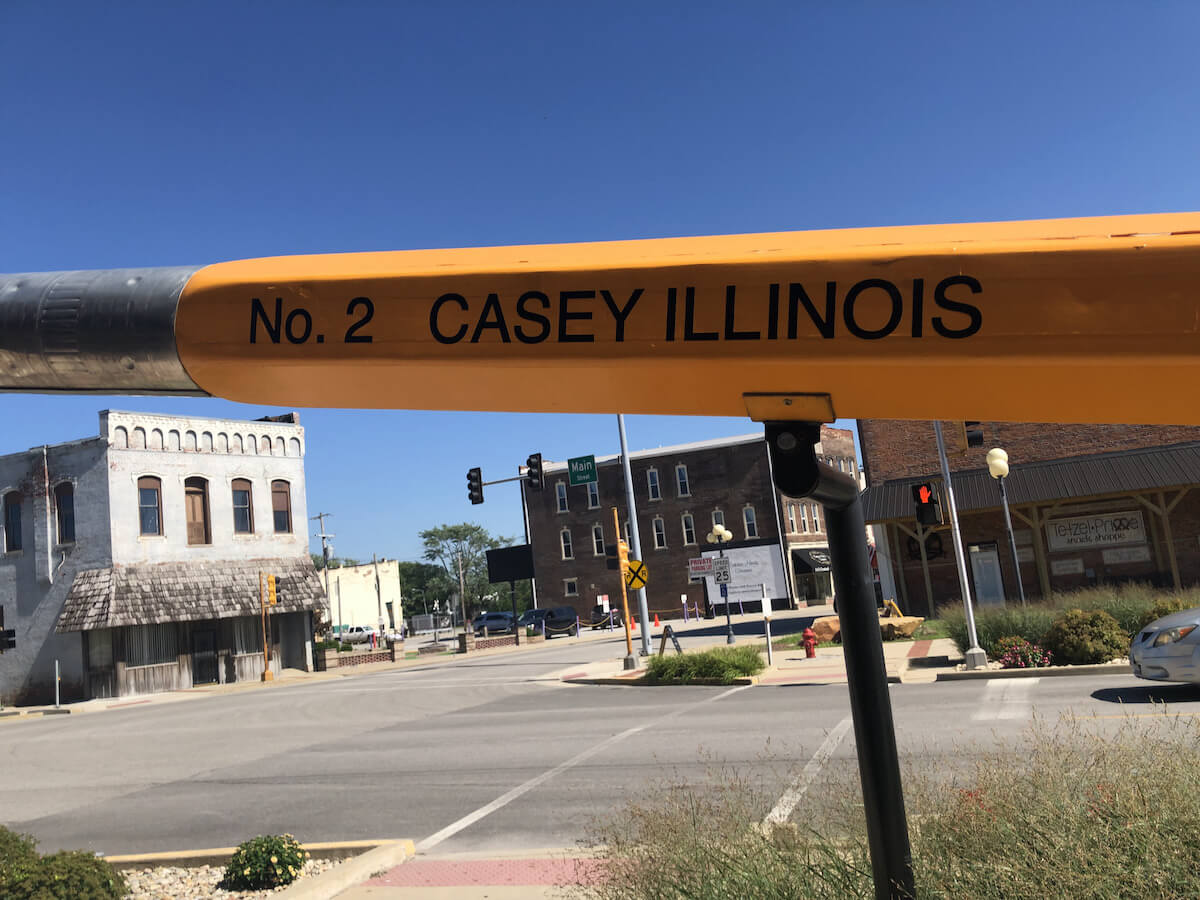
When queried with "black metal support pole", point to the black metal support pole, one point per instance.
{"points": [[729, 639], [798, 474], [512, 595]]}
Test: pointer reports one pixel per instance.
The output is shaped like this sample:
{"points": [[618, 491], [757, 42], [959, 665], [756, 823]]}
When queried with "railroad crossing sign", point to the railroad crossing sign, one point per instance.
{"points": [[636, 575], [720, 571]]}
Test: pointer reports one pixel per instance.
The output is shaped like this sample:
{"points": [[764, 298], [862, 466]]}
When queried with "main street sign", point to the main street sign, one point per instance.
{"points": [[582, 470], [1067, 320]]}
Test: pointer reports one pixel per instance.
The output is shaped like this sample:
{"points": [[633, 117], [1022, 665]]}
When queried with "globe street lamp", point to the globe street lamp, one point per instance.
{"points": [[997, 461], [721, 535]]}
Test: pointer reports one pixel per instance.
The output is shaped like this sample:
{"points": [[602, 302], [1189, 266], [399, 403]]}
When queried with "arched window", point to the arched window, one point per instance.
{"points": [[12, 522], [281, 506], [195, 491], [243, 508], [64, 505], [149, 505]]}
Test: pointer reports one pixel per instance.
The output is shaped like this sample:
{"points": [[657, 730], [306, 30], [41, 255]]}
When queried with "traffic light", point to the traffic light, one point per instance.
{"points": [[272, 592], [928, 510], [970, 434], [475, 486], [534, 464], [616, 555]]}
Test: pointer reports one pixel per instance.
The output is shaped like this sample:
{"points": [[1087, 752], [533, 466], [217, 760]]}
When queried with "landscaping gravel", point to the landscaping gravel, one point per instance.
{"points": [[200, 882]]}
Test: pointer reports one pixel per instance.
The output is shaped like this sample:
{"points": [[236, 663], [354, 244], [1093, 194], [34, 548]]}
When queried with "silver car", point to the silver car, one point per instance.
{"points": [[1168, 649]]}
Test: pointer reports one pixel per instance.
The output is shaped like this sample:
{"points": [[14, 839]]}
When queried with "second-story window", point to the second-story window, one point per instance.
{"points": [[281, 506], [655, 493], [681, 479], [751, 522], [565, 536], [689, 529], [243, 510], [593, 495], [149, 505], [560, 491], [598, 540], [718, 518], [792, 517], [195, 491], [64, 506], [816, 511], [804, 518], [12, 522], [660, 534]]}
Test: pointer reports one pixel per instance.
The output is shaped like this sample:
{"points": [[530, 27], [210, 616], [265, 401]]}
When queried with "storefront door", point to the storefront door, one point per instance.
{"points": [[204, 657], [985, 571]]}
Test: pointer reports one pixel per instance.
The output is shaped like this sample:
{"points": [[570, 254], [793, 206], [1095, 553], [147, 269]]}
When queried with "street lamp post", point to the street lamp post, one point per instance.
{"points": [[720, 535], [997, 461]]}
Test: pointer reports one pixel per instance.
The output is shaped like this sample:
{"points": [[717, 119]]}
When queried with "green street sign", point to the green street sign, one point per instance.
{"points": [[582, 470]]}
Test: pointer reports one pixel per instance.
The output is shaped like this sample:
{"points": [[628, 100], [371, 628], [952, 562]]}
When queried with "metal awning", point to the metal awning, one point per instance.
{"points": [[1070, 478], [807, 561], [185, 592]]}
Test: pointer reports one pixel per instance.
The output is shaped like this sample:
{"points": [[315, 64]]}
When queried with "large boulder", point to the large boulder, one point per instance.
{"points": [[827, 629], [899, 626]]}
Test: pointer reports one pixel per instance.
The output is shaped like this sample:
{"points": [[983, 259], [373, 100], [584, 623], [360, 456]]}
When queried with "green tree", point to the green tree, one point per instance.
{"points": [[446, 545], [422, 583]]}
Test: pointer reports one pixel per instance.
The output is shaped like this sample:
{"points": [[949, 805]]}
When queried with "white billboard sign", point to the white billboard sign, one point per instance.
{"points": [[1096, 531], [750, 569]]}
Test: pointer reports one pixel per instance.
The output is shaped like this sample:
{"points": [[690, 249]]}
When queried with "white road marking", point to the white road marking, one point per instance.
{"points": [[1006, 699], [503, 800], [795, 792]]}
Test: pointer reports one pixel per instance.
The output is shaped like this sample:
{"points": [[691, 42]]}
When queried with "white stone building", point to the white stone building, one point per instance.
{"points": [[364, 594], [133, 558]]}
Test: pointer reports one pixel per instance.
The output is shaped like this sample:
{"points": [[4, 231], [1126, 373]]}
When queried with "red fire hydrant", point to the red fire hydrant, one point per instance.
{"points": [[810, 643]]}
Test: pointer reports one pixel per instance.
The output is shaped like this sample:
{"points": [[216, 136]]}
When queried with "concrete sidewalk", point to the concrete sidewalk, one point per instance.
{"points": [[473, 876]]}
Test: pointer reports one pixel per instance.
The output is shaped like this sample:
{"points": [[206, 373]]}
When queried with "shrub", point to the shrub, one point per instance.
{"points": [[1030, 623], [326, 645], [69, 875], [1079, 638], [722, 664], [16, 849], [266, 861], [345, 647], [1018, 653]]}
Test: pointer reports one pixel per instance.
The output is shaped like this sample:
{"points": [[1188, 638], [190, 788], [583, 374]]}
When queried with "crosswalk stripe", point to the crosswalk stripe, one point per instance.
{"points": [[1006, 699]]}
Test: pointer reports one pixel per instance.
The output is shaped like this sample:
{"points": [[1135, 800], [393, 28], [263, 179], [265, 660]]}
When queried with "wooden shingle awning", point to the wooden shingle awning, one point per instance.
{"points": [[185, 592]]}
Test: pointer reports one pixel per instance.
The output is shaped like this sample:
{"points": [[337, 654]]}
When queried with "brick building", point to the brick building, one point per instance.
{"points": [[680, 493], [132, 558], [1089, 503]]}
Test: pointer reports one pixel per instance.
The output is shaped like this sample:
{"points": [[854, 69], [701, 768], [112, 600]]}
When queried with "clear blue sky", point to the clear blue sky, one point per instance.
{"points": [[149, 133]]}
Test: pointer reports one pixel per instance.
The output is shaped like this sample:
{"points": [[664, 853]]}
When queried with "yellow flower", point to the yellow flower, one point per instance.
{"points": [[307, 855], [246, 872], [274, 859]]}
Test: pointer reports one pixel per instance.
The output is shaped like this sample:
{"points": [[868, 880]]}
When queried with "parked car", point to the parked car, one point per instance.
{"points": [[493, 623], [1168, 649], [356, 634], [561, 620], [532, 617]]}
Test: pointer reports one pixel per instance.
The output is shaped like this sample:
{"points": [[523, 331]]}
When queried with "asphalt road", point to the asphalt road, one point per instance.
{"points": [[482, 754]]}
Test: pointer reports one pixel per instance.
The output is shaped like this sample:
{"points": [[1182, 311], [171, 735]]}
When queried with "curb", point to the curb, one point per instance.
{"points": [[1045, 671], [33, 713], [379, 855], [639, 682]]}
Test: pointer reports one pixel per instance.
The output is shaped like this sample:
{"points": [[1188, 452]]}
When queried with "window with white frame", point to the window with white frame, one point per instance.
{"points": [[689, 529], [791, 518], [654, 492], [598, 540], [660, 534], [571, 587], [751, 522], [804, 518], [560, 491], [718, 518], [681, 480], [816, 513], [565, 537], [593, 490]]}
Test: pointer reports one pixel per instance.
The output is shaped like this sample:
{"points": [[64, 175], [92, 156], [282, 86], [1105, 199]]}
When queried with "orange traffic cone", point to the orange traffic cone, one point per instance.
{"points": [[657, 624], [632, 623]]}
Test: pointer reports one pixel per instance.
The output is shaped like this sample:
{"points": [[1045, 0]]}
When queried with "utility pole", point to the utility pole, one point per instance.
{"points": [[378, 594], [462, 590], [326, 555], [634, 537]]}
